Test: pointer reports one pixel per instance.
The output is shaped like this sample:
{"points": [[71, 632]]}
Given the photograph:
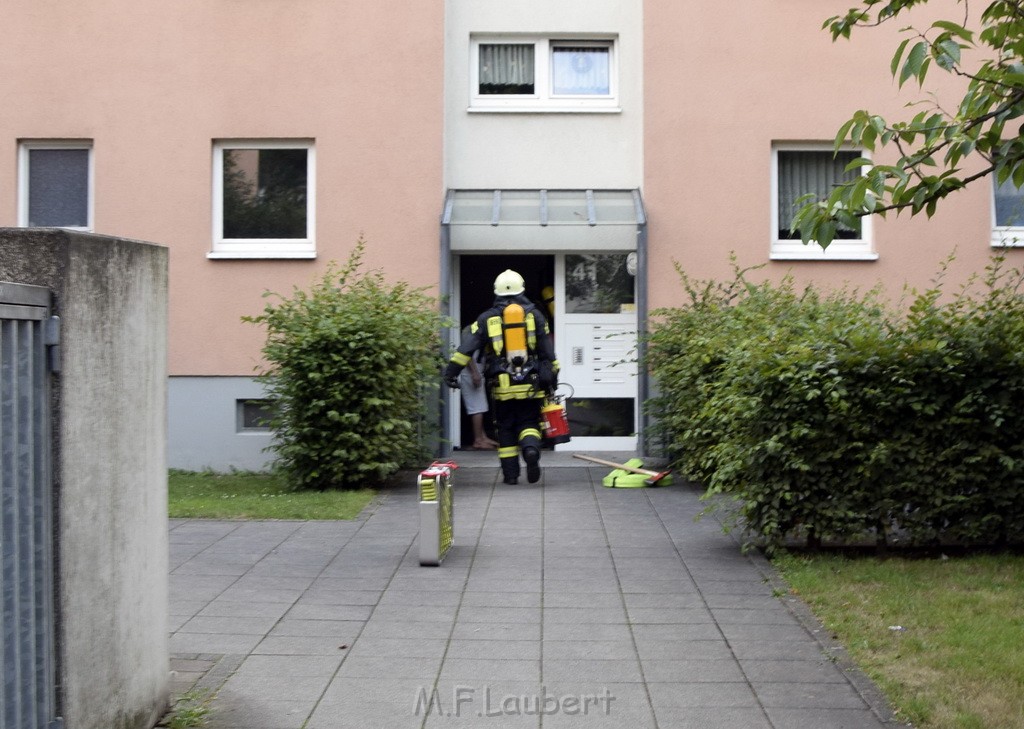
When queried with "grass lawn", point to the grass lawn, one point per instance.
{"points": [[256, 496], [943, 638]]}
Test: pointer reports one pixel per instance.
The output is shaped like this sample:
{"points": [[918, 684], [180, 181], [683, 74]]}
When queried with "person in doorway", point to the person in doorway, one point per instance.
{"points": [[474, 398], [519, 368]]}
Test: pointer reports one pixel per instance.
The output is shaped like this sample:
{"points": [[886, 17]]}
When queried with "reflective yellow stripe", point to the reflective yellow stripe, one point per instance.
{"points": [[474, 327], [460, 359], [527, 432], [508, 452], [515, 392], [531, 332], [496, 334]]}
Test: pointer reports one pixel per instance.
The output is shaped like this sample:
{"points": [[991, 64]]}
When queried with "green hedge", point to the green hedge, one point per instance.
{"points": [[833, 417], [350, 365]]}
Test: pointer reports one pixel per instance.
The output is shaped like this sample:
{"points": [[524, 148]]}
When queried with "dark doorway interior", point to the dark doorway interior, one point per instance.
{"points": [[476, 289]]}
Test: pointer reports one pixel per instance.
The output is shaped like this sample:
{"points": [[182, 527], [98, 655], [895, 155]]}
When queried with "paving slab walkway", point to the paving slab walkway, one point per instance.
{"points": [[561, 604]]}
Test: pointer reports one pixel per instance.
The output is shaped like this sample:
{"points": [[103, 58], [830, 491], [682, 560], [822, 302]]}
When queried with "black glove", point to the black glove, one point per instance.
{"points": [[452, 381]]}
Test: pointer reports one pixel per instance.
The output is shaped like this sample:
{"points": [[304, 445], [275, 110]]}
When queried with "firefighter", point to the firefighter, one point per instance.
{"points": [[520, 369]]}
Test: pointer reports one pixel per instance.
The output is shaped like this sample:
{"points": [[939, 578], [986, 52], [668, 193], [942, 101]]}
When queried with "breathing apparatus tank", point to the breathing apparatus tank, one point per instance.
{"points": [[514, 324]]}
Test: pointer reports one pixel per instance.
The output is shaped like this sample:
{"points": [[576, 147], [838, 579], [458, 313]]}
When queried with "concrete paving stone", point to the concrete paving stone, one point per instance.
{"points": [[582, 600], [655, 648], [614, 615], [699, 717], [401, 694], [695, 670], [496, 649], [212, 643], [260, 594], [330, 581], [581, 584], [744, 631], [691, 694], [809, 695], [303, 610], [501, 599], [241, 713], [277, 568], [663, 550], [742, 572], [786, 650], [415, 613], [235, 624], [275, 688], [484, 583], [589, 649], [809, 671], [587, 631], [399, 647], [420, 598], [429, 578], [472, 669], [727, 587], [678, 631], [751, 602], [493, 614], [322, 595], [186, 608], [228, 608], [290, 627], [640, 583], [591, 670], [496, 631], [294, 666], [193, 566], [824, 719], [662, 600], [777, 615], [320, 645], [406, 629], [423, 670], [669, 616]]}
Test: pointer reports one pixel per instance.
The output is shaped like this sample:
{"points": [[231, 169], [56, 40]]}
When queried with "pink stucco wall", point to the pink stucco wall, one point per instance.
{"points": [[723, 81], [153, 84]]}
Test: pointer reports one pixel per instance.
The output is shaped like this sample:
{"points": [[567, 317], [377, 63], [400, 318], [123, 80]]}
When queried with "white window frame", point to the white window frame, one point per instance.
{"points": [[784, 249], [24, 148], [543, 99], [263, 247], [1005, 236]]}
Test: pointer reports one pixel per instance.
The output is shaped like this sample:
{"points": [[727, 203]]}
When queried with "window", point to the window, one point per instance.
{"points": [[543, 74], [801, 169], [253, 415], [1008, 214], [55, 184], [263, 199]]}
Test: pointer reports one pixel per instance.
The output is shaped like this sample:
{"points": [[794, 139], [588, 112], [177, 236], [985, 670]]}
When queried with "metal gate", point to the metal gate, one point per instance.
{"points": [[26, 577]]}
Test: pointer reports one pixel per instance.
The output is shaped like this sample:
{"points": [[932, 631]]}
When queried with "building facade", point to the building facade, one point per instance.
{"points": [[593, 145]]}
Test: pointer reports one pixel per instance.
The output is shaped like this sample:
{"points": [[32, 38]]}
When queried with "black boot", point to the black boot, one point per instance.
{"points": [[532, 457]]}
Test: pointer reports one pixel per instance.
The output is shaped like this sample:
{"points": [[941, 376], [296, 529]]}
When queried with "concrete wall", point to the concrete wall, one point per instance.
{"points": [[544, 150], [202, 411], [110, 470]]}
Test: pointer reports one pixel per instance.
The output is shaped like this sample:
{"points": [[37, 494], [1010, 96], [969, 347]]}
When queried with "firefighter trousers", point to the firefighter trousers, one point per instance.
{"points": [[517, 425]]}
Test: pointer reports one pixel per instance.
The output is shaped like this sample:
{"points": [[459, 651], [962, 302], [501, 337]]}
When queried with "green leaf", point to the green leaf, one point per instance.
{"points": [[915, 61]]}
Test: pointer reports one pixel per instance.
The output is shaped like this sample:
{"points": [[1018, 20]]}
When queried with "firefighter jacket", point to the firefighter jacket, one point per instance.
{"points": [[540, 372]]}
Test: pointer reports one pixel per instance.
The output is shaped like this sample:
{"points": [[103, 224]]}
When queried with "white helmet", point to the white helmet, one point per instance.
{"points": [[509, 283]]}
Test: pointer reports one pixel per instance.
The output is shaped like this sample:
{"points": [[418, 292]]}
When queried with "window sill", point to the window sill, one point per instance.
{"points": [[261, 254], [544, 110], [817, 254], [1008, 238]]}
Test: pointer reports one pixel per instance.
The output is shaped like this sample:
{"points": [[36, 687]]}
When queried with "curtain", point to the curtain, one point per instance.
{"points": [[582, 70], [803, 172], [506, 68]]}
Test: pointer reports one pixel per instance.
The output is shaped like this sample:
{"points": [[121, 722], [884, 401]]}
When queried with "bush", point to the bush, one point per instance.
{"points": [[836, 418], [350, 365]]}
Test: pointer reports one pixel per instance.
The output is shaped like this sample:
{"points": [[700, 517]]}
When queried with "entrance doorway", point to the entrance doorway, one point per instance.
{"points": [[594, 319], [476, 274]]}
